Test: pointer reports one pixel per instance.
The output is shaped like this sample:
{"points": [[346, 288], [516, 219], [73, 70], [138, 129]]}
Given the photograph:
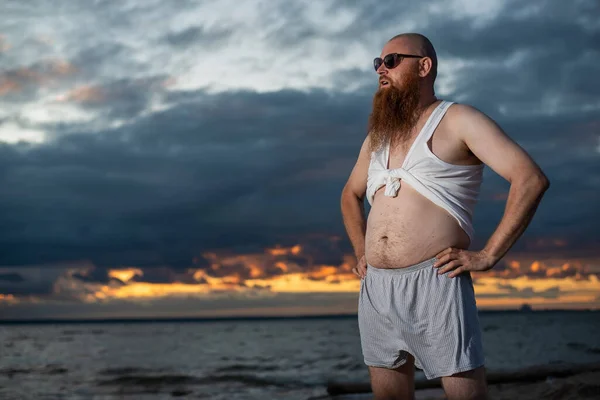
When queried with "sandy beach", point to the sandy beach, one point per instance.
{"points": [[581, 386], [560, 382]]}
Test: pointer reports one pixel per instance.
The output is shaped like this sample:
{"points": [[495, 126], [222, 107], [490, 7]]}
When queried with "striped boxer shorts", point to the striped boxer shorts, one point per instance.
{"points": [[414, 310]]}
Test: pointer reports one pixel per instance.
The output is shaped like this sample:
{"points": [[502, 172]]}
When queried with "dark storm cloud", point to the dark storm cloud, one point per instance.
{"points": [[526, 58], [156, 275], [322, 251], [239, 270], [11, 277], [122, 98], [198, 35], [213, 172], [548, 26], [29, 281], [528, 292], [93, 59], [97, 275]]}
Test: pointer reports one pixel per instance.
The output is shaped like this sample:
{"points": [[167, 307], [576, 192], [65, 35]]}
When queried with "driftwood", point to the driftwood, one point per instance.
{"points": [[529, 374]]}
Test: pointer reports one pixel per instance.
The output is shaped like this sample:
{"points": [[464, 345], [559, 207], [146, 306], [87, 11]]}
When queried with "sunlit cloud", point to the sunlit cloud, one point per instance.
{"points": [[49, 111], [550, 283], [10, 132], [125, 275], [282, 251], [7, 298], [512, 268]]}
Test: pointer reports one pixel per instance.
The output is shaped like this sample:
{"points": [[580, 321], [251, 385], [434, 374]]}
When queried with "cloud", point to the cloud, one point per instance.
{"points": [[279, 269], [198, 36], [11, 277], [512, 267], [272, 269], [96, 275], [525, 293], [119, 186], [30, 282], [230, 305], [228, 131]]}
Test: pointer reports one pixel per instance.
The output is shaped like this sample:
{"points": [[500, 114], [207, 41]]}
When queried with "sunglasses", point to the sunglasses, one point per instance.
{"points": [[392, 60]]}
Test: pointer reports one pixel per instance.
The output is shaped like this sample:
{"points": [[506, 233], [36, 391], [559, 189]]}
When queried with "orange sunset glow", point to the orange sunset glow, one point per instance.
{"points": [[551, 283]]}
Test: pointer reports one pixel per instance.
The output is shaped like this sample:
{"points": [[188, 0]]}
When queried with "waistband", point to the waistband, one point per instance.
{"points": [[401, 271]]}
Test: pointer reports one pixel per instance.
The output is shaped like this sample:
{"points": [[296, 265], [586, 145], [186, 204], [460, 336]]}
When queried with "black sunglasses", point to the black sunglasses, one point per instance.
{"points": [[392, 60]]}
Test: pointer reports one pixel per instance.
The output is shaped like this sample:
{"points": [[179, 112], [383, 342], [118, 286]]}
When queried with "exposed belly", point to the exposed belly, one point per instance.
{"points": [[407, 229]]}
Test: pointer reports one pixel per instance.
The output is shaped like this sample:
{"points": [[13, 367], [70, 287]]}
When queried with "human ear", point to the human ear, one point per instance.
{"points": [[424, 66]]}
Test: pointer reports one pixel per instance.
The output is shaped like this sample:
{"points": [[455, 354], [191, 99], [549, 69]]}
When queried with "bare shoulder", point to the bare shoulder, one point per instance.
{"points": [[459, 110], [468, 124], [489, 143], [463, 116]]}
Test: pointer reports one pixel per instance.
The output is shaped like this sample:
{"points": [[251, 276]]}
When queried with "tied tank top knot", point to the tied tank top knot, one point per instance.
{"points": [[455, 188]]}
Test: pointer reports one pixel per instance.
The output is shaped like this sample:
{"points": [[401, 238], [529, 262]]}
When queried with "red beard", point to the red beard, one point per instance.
{"points": [[395, 112]]}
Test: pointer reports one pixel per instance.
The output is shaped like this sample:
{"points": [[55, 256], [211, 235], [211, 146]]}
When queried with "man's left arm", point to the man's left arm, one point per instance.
{"points": [[488, 142]]}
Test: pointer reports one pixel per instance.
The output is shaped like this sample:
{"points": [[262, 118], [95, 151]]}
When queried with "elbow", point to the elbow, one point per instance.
{"points": [[539, 182], [542, 182], [346, 194], [349, 195], [535, 182]]}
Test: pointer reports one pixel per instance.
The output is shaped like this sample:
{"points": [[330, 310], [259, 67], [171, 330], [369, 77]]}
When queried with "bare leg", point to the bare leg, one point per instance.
{"points": [[469, 385], [394, 384]]}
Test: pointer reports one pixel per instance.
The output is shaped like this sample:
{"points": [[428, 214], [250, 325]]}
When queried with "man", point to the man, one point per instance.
{"points": [[420, 168]]}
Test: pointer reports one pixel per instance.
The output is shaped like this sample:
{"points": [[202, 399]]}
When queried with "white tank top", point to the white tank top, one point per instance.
{"points": [[455, 188]]}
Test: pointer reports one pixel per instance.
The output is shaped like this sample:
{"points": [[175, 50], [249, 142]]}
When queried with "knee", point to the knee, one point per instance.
{"points": [[477, 394], [469, 385]]}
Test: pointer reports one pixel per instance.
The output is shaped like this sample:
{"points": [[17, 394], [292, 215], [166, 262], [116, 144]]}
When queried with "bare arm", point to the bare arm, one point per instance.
{"points": [[352, 202], [488, 142]]}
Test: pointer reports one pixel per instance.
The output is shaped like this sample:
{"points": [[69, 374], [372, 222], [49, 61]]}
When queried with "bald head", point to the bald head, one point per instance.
{"points": [[420, 45]]}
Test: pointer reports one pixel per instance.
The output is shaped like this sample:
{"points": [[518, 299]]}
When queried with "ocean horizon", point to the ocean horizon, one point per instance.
{"points": [[255, 318]]}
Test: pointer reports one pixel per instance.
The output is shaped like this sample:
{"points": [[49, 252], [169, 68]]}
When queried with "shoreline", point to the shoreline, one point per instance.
{"points": [[584, 379], [193, 319]]}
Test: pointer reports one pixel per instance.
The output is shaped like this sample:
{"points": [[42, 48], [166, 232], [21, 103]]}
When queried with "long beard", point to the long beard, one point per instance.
{"points": [[395, 113]]}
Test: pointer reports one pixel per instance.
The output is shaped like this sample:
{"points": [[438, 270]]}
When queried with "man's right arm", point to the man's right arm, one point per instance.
{"points": [[352, 204]]}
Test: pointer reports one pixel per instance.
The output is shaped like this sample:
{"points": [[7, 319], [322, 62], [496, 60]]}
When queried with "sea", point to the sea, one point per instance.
{"points": [[281, 358]]}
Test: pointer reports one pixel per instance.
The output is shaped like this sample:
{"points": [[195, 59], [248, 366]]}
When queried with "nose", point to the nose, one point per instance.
{"points": [[382, 70]]}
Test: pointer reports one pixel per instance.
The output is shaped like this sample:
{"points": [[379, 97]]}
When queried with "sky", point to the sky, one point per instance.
{"points": [[186, 159]]}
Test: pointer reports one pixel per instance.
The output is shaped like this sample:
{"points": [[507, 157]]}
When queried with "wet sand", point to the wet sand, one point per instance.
{"points": [[552, 382], [584, 386]]}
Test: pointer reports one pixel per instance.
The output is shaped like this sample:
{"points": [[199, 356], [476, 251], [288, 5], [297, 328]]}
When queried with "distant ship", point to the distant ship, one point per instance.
{"points": [[525, 308]]}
